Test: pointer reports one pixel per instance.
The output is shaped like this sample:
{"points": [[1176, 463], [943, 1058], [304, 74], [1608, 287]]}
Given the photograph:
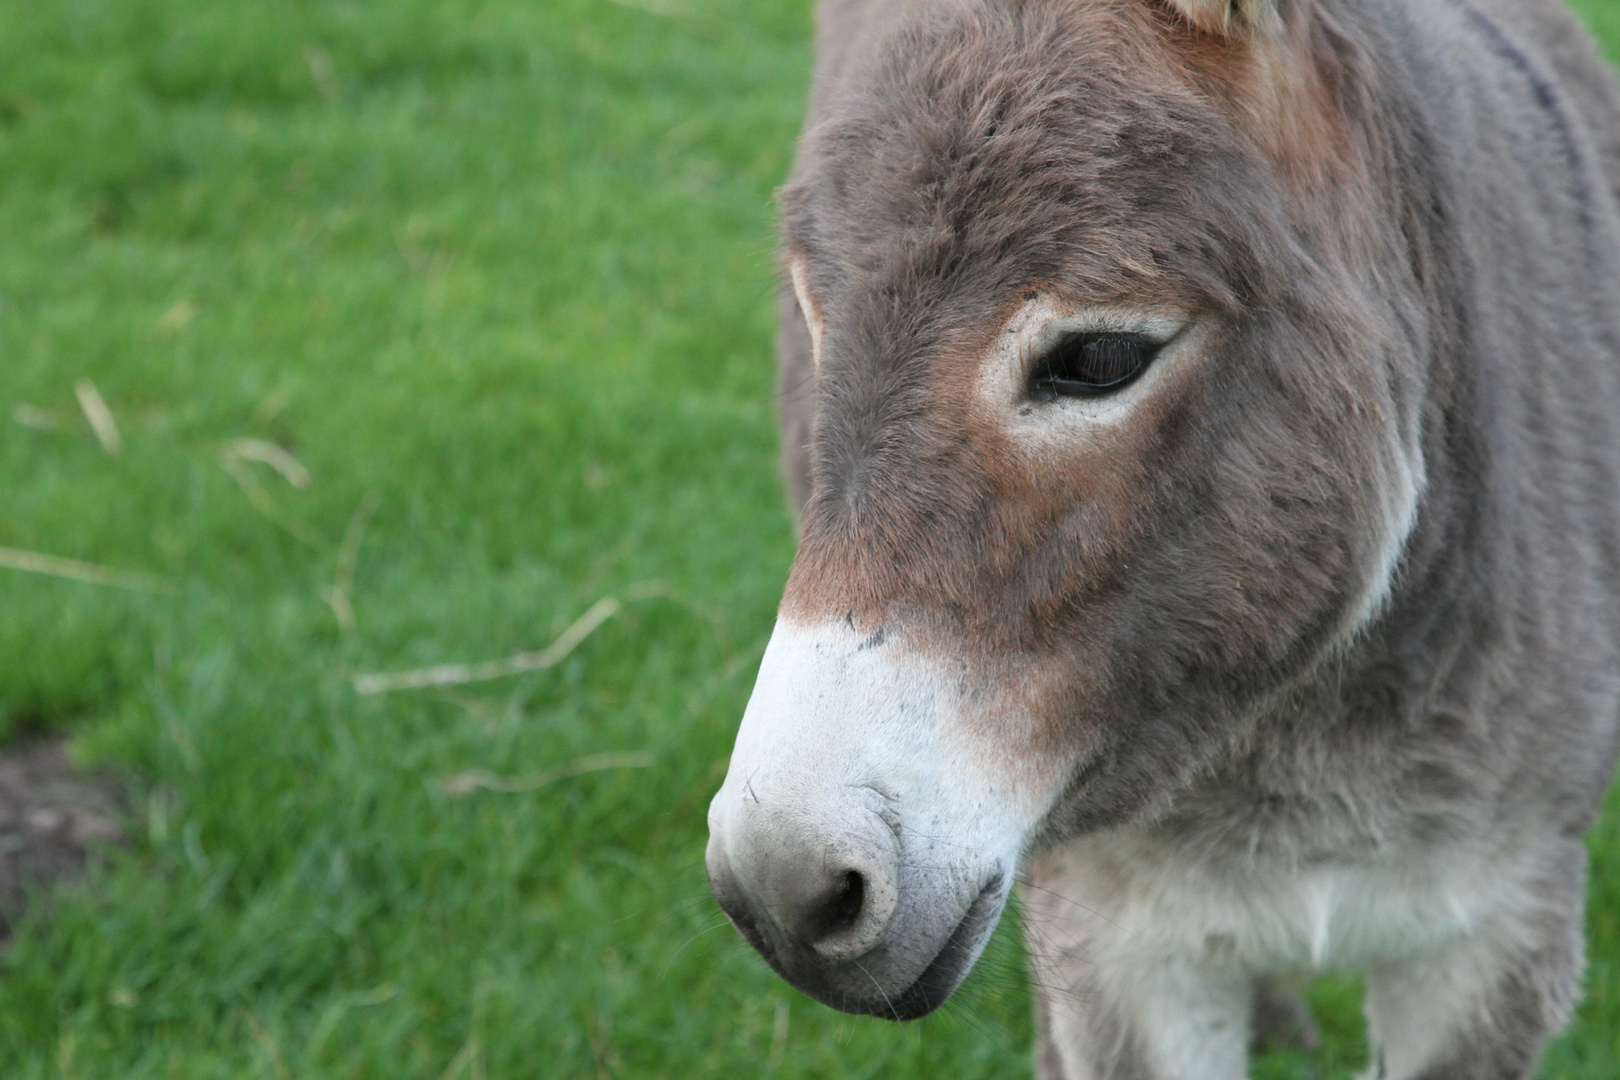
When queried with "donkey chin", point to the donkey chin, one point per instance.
{"points": [[862, 841]]}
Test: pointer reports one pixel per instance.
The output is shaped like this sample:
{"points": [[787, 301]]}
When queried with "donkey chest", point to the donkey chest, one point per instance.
{"points": [[1131, 892]]}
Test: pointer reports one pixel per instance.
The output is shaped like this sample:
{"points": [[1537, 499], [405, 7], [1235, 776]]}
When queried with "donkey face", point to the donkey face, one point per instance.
{"points": [[1115, 438]]}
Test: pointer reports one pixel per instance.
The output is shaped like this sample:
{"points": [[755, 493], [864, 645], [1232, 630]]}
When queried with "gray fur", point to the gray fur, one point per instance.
{"points": [[1472, 720]]}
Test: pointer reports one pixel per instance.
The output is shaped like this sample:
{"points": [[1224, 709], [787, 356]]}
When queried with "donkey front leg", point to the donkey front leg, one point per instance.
{"points": [[1164, 1025], [1105, 1010], [1483, 1008]]}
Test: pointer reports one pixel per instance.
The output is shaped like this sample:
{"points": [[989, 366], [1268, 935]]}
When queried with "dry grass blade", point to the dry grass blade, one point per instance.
{"points": [[471, 1054], [600, 1031], [322, 72], [271, 407], [34, 562], [178, 317], [779, 1037], [468, 782], [655, 7], [34, 417], [457, 674], [236, 463], [268, 453], [267, 1043], [341, 596], [100, 417], [250, 486]]}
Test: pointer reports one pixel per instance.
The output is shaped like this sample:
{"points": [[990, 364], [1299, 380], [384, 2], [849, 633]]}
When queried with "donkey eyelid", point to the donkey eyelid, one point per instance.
{"points": [[1091, 365], [1037, 420], [1160, 332]]}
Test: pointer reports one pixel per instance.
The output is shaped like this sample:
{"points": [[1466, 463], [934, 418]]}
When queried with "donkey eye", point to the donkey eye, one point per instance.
{"points": [[1086, 365]]}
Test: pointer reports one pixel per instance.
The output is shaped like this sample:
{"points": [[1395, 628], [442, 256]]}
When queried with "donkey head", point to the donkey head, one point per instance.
{"points": [[1118, 378]]}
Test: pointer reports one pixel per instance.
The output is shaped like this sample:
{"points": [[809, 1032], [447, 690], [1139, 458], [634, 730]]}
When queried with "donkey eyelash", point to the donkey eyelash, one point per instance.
{"points": [[1091, 364]]}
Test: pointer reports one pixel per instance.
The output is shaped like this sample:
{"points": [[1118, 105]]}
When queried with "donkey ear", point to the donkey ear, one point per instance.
{"points": [[1229, 16]]}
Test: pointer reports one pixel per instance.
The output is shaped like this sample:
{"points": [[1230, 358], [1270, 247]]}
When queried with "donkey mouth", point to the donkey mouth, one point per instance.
{"points": [[955, 959], [852, 986], [949, 967]]}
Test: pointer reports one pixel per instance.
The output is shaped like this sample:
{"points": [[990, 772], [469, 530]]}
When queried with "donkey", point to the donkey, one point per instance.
{"points": [[1204, 420]]}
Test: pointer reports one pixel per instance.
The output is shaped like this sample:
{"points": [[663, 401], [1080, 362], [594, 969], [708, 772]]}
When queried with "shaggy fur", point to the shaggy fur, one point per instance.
{"points": [[1398, 221]]}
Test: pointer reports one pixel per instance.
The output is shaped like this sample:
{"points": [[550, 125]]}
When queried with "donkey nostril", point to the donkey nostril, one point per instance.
{"points": [[853, 914], [843, 908], [792, 894]]}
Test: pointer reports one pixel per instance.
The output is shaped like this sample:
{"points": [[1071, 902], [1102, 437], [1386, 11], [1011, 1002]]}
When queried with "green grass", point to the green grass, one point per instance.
{"points": [[1603, 17], [500, 272]]}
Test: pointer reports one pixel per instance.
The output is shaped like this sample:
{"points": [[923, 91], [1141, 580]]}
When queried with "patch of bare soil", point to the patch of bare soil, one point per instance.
{"points": [[53, 818]]}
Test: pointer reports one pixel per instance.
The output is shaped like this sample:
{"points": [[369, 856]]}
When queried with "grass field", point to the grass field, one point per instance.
{"points": [[497, 275]]}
